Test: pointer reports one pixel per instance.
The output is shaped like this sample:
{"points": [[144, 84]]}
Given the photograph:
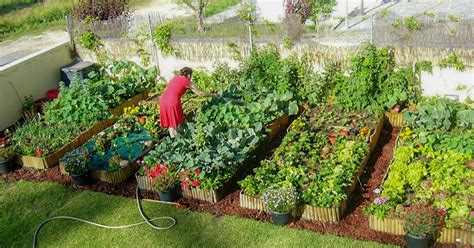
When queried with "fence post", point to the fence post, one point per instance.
{"points": [[155, 51], [250, 35], [70, 30]]}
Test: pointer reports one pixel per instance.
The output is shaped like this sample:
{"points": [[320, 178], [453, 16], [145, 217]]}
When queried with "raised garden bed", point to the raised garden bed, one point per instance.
{"points": [[115, 150], [327, 214], [53, 159], [215, 195], [395, 119], [395, 226], [432, 164]]}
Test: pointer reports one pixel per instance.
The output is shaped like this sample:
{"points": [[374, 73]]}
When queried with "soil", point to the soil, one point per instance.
{"points": [[353, 225]]}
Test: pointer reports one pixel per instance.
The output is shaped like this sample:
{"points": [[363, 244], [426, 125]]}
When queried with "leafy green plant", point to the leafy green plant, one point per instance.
{"points": [[28, 103], [287, 42], [374, 83], [6, 153], [454, 18], [162, 37], [453, 61], [411, 23], [384, 12], [138, 39], [76, 163], [88, 40], [280, 200], [428, 13]]}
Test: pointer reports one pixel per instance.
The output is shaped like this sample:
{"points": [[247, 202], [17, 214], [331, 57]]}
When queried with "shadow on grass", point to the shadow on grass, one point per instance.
{"points": [[35, 202]]}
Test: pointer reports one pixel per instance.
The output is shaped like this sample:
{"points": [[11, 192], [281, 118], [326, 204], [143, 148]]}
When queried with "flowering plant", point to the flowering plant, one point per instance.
{"points": [[280, 200], [40, 153], [163, 178], [76, 163], [190, 180], [424, 220]]}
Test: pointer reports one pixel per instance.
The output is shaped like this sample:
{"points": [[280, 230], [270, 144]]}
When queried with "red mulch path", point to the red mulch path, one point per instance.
{"points": [[353, 225]]}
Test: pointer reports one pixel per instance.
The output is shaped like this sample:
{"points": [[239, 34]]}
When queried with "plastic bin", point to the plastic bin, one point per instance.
{"points": [[78, 69]]}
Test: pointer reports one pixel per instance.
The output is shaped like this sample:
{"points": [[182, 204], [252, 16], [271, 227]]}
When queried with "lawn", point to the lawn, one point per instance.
{"points": [[25, 204]]}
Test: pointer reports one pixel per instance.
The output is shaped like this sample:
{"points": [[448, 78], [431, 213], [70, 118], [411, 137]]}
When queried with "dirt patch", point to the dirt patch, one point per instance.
{"points": [[353, 225]]}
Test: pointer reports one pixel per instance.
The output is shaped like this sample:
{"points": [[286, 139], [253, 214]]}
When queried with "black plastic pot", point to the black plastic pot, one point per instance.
{"points": [[168, 196], [6, 166], [82, 180], [281, 218], [418, 242]]}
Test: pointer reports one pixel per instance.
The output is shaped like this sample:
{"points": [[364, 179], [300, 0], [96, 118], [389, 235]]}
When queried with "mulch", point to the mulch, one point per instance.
{"points": [[353, 225]]}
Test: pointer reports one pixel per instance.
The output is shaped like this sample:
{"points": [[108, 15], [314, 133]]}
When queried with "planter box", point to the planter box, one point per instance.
{"points": [[325, 214], [395, 119], [395, 226], [144, 182], [215, 195], [115, 177], [53, 159]]}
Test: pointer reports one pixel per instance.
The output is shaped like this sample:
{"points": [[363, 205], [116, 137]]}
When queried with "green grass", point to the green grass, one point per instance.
{"points": [[218, 6], [25, 204]]}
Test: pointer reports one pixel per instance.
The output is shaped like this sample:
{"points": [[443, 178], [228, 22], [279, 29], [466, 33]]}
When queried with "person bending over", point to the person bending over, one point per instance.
{"points": [[171, 111]]}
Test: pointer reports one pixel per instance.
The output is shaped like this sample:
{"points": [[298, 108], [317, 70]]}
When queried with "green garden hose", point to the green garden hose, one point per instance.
{"points": [[139, 205]]}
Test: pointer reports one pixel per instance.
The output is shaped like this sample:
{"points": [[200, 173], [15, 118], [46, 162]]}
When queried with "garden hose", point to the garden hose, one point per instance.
{"points": [[139, 205]]}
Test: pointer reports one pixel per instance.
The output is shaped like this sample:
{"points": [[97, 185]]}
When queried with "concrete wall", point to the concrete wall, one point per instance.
{"points": [[30, 75], [449, 82]]}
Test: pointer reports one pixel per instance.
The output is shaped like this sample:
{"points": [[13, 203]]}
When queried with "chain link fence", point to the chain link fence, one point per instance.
{"points": [[431, 31]]}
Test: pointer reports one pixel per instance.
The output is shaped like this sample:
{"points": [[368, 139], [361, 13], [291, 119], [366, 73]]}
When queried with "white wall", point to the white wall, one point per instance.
{"points": [[30, 75], [271, 10], [447, 82]]}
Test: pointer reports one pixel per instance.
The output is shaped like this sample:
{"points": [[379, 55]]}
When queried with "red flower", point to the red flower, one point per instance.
{"points": [[197, 171], [152, 174], [39, 153], [196, 183], [2, 139], [442, 225]]}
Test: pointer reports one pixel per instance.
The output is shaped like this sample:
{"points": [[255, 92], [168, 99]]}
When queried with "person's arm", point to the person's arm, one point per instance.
{"points": [[201, 93]]}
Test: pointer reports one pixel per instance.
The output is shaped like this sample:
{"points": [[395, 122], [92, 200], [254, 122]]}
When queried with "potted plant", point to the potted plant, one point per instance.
{"points": [[6, 158], [280, 202], [76, 163], [164, 182], [422, 225], [344, 132]]}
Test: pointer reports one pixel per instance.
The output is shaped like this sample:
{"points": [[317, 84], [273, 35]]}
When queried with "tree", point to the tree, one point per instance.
{"points": [[322, 8], [299, 7], [198, 7]]}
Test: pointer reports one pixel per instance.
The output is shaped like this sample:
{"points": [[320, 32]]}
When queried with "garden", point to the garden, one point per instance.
{"points": [[354, 151]]}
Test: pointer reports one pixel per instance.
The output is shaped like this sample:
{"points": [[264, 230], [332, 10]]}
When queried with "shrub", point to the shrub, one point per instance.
{"points": [[280, 200], [100, 9], [76, 162]]}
